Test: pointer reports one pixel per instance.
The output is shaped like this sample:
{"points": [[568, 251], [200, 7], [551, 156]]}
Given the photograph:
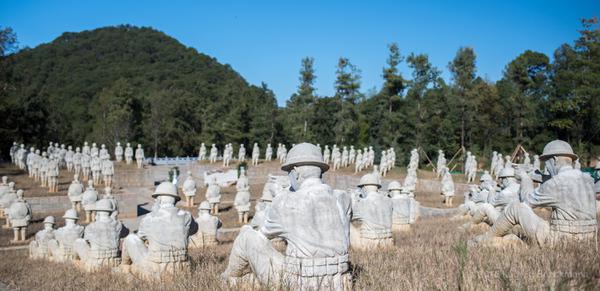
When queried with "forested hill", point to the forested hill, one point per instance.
{"points": [[128, 83]]}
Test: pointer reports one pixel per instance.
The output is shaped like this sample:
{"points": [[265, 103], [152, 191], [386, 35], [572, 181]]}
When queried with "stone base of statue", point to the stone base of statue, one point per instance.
{"points": [[507, 241], [401, 227], [200, 240], [155, 271], [37, 251], [361, 241]]}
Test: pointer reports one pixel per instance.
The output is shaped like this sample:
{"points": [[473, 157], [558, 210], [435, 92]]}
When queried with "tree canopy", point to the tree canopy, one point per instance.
{"points": [[137, 84]]}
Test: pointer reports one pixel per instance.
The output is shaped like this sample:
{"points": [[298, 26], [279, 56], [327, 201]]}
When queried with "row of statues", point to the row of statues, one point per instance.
{"points": [[338, 158], [508, 207]]}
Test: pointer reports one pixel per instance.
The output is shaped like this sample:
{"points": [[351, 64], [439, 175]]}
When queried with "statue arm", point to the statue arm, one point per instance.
{"points": [[544, 196], [272, 226]]}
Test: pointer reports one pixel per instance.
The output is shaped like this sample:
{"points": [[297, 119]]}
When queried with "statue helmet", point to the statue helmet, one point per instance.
{"points": [[20, 193], [118, 143], [166, 189], [507, 172], [204, 205], [4, 179], [49, 220], [103, 146], [486, 177], [71, 214], [139, 145], [369, 179], [75, 177], [558, 148], [91, 183], [70, 147], [104, 205], [304, 154], [394, 185]]}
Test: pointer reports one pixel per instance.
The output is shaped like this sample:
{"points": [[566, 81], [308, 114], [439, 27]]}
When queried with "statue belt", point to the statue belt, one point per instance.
{"points": [[376, 234], [105, 253], [164, 256], [573, 226], [309, 267]]}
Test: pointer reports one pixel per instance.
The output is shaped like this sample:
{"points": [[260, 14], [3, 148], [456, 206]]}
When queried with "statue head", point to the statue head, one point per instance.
{"points": [[85, 143], [507, 176], [37, 152], [94, 145], [75, 178], [557, 154], [70, 148], [55, 145], [90, 184], [103, 146], [394, 187], [4, 179], [62, 146], [77, 149], [103, 207], [11, 186], [369, 182], [204, 207], [139, 146], [118, 144], [166, 193], [128, 144], [20, 194], [49, 222], [71, 216], [304, 161]]}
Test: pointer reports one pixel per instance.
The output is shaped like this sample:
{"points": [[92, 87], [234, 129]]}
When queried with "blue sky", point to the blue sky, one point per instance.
{"points": [[265, 40]]}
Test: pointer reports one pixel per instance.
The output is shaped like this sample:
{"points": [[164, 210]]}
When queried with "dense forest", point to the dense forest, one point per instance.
{"points": [[137, 84]]}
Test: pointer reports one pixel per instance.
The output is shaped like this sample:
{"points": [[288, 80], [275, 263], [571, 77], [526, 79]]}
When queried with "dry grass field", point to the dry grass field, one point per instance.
{"points": [[434, 255]]}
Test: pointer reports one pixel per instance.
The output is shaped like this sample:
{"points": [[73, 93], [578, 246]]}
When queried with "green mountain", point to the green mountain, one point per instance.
{"points": [[132, 84]]}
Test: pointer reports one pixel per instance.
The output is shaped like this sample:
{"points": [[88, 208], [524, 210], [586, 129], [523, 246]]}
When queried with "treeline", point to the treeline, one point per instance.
{"points": [[535, 101], [137, 84]]}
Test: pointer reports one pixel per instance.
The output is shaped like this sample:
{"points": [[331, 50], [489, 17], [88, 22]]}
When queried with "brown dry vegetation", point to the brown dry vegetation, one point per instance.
{"points": [[433, 256]]}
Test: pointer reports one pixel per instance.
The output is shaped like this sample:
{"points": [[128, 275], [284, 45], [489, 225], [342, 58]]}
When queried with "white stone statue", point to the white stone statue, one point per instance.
{"points": [[19, 214], [52, 173], [242, 197], [208, 225], [202, 153], [213, 195], [29, 161], [94, 151], [38, 249], [75, 193], [99, 246], [6, 199], [128, 154], [268, 153], [213, 153], [441, 163], [96, 168], [477, 195], [405, 207], [139, 156], [77, 156], [255, 154], [108, 171], [242, 153], [311, 219], [69, 158], [61, 247], [119, 153], [447, 187], [189, 190], [497, 201], [103, 153], [160, 244], [570, 195], [88, 200], [374, 212], [85, 149], [493, 163]]}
